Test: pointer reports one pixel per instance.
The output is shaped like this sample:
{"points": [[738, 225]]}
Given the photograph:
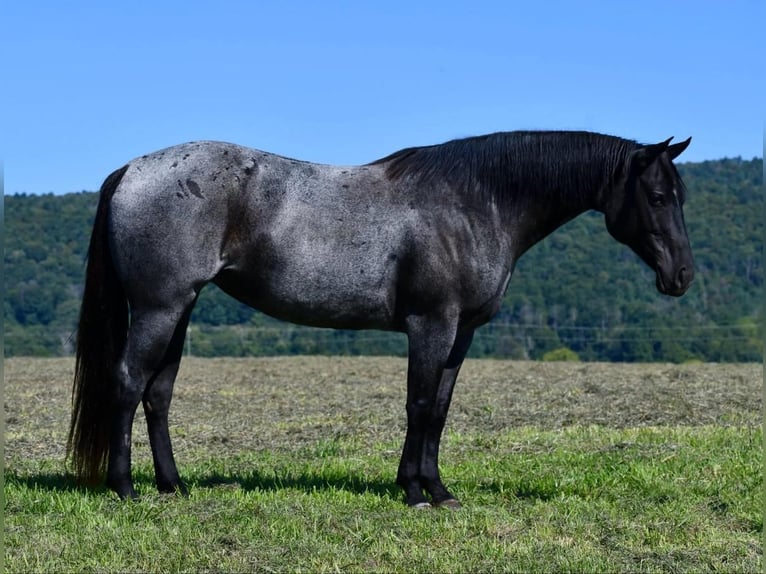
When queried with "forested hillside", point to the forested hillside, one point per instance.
{"points": [[578, 294]]}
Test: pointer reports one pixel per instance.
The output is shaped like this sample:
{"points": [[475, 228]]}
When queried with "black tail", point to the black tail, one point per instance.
{"points": [[101, 337]]}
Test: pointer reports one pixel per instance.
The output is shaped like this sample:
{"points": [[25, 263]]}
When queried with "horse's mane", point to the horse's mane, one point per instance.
{"points": [[508, 165]]}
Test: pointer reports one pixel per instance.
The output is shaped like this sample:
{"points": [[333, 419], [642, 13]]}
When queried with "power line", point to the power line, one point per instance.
{"points": [[619, 327], [585, 334]]}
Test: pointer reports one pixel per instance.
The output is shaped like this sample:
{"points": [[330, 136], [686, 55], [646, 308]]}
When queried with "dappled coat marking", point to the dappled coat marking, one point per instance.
{"points": [[423, 241]]}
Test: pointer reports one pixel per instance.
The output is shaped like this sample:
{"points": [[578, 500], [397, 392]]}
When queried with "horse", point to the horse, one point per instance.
{"points": [[423, 241]]}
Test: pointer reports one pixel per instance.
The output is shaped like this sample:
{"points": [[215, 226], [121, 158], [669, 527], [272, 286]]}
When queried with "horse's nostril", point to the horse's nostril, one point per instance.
{"points": [[684, 276]]}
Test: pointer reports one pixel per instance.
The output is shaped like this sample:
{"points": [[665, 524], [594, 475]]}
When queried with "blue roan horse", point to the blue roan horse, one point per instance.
{"points": [[423, 241]]}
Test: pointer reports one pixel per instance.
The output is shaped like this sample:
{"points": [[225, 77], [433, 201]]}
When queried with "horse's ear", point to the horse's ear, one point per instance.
{"points": [[645, 155], [677, 149]]}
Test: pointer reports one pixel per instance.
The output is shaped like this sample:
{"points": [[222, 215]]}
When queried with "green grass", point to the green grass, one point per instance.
{"points": [[291, 463], [583, 499]]}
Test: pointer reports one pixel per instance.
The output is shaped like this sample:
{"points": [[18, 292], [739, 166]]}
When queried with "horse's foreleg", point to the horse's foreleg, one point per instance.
{"points": [[429, 462], [148, 340], [430, 344]]}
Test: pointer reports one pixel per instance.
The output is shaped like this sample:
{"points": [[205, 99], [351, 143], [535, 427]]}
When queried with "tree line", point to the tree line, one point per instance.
{"points": [[576, 295]]}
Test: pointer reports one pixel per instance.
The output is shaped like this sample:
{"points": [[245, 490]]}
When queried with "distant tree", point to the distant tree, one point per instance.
{"points": [[561, 354], [578, 289]]}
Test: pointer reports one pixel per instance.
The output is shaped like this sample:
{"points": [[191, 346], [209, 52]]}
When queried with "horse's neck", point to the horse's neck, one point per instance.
{"points": [[548, 207]]}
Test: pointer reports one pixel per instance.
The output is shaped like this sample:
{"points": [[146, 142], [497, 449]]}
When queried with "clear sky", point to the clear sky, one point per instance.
{"points": [[89, 85]]}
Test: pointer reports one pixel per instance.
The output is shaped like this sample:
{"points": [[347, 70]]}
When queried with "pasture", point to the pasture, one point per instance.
{"points": [[291, 465]]}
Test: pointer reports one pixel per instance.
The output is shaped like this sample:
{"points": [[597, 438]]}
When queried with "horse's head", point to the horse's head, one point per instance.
{"points": [[646, 213]]}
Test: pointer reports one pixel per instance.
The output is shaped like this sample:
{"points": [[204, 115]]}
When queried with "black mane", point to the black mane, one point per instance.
{"points": [[515, 164]]}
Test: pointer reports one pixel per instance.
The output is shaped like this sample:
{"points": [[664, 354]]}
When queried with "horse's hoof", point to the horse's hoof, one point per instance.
{"points": [[177, 489], [450, 503], [127, 495], [421, 505], [124, 491]]}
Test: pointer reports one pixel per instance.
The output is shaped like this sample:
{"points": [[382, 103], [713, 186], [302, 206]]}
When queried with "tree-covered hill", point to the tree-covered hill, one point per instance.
{"points": [[576, 294]]}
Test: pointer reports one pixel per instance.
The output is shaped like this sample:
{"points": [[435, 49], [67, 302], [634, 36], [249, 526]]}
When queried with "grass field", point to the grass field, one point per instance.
{"points": [[291, 464]]}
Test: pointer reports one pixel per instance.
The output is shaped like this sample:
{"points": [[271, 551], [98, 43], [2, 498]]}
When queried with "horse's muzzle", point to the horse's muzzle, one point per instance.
{"points": [[676, 283]]}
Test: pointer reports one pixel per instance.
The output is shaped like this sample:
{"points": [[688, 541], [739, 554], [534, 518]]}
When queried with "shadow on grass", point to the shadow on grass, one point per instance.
{"points": [[264, 481], [306, 482], [252, 481], [53, 481]]}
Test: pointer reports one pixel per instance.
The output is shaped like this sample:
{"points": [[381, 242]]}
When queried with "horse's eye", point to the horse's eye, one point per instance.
{"points": [[656, 199]]}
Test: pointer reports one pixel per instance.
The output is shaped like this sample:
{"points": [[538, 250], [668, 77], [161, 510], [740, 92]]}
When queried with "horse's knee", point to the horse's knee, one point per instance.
{"points": [[419, 408]]}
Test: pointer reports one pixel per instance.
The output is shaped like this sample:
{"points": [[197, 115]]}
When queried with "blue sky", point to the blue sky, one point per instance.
{"points": [[90, 85]]}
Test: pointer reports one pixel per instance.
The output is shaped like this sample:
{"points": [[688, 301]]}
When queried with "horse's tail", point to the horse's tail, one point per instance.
{"points": [[101, 336]]}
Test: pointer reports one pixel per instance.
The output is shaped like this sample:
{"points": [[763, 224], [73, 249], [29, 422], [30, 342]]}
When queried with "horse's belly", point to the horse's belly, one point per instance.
{"points": [[337, 296]]}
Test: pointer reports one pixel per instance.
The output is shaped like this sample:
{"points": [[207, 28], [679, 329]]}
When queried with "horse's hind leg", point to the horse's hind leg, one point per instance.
{"points": [[152, 334], [156, 399]]}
